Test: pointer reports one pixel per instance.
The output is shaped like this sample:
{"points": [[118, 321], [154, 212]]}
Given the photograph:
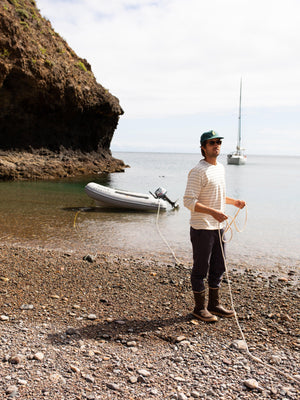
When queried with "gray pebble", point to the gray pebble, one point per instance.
{"points": [[251, 384], [144, 372], [27, 307], [239, 344], [181, 396], [92, 316], [39, 356], [12, 391], [113, 386]]}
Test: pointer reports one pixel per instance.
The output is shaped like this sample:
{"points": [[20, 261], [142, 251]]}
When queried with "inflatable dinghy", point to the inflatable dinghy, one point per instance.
{"points": [[109, 197]]}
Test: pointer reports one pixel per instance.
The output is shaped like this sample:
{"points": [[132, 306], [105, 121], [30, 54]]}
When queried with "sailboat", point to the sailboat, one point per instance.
{"points": [[238, 157]]}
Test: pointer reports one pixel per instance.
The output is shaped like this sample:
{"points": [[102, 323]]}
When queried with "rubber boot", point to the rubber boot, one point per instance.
{"points": [[214, 305], [200, 310]]}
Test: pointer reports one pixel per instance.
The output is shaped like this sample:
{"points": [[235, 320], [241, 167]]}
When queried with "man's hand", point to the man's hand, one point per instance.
{"points": [[219, 215], [239, 203]]}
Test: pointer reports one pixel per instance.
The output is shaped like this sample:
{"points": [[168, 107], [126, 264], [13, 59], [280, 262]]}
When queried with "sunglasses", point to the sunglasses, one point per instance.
{"points": [[213, 142]]}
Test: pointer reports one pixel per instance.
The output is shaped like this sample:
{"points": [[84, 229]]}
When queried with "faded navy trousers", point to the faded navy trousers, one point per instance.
{"points": [[207, 258]]}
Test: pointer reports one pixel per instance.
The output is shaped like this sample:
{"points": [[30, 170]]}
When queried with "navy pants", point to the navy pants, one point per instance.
{"points": [[207, 258]]}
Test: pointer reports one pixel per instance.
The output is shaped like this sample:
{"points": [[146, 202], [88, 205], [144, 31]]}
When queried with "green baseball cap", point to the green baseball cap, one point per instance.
{"points": [[209, 135]]}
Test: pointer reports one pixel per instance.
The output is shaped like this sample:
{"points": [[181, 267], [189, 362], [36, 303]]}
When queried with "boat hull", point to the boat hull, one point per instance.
{"points": [[108, 197], [236, 159]]}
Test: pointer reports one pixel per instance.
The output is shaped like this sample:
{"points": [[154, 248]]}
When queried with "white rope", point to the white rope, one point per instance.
{"points": [[228, 226], [162, 236], [95, 255], [221, 237]]}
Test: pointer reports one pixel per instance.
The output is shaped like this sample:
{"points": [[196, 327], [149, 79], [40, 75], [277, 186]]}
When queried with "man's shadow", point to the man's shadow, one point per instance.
{"points": [[118, 328]]}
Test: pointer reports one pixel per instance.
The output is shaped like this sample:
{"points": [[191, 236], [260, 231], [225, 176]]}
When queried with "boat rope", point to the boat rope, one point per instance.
{"points": [[78, 231], [233, 223], [162, 236], [257, 359], [229, 227]]}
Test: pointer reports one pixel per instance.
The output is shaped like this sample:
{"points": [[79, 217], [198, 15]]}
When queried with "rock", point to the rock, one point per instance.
{"points": [[71, 331], [89, 378], [275, 359], [16, 359], [57, 378], [143, 372], [181, 396], [133, 379], [74, 368], [50, 102], [22, 382], [27, 307], [113, 386], [240, 345], [12, 391], [92, 316], [39, 356], [180, 339], [131, 343], [50, 96], [283, 279], [120, 322], [4, 317], [89, 258], [251, 384]]}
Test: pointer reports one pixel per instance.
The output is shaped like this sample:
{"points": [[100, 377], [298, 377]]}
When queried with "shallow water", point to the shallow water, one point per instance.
{"points": [[43, 213]]}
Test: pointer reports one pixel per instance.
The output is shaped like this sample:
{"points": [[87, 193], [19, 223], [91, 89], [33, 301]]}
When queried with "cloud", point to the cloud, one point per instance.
{"points": [[176, 65], [168, 57]]}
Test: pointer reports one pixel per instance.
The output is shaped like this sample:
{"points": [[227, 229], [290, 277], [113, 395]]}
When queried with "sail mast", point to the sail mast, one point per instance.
{"points": [[238, 147]]}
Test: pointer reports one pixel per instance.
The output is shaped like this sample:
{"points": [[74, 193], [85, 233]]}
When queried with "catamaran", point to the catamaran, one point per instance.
{"points": [[238, 157]]}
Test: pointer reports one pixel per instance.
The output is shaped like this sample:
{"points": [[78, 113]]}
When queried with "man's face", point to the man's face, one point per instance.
{"points": [[212, 148]]}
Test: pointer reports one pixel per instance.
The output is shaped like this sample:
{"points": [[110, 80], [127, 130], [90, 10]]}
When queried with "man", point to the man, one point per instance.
{"points": [[205, 197]]}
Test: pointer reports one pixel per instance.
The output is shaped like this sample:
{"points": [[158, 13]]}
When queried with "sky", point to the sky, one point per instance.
{"points": [[176, 66]]}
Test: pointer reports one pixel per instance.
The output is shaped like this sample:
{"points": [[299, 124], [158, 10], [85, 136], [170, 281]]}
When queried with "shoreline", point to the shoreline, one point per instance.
{"points": [[113, 327], [258, 264], [44, 164]]}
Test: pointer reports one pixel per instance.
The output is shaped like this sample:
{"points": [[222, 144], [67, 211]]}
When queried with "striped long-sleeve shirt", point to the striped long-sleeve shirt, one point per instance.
{"points": [[206, 184]]}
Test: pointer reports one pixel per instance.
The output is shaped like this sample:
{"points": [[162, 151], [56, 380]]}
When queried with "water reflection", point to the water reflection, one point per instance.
{"points": [[43, 213]]}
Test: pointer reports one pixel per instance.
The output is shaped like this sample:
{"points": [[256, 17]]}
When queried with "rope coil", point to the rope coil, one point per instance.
{"points": [[257, 359], [229, 227]]}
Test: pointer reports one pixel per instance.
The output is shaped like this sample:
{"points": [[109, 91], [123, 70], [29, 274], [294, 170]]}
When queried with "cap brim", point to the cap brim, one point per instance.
{"points": [[212, 138]]}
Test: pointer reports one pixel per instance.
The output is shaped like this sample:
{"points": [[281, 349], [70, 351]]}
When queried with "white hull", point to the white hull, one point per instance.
{"points": [[236, 159], [108, 197]]}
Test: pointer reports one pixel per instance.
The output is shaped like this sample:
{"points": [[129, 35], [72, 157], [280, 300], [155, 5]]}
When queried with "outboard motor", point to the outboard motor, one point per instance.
{"points": [[161, 193]]}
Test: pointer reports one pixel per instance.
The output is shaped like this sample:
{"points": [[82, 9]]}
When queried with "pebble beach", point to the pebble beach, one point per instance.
{"points": [[105, 326]]}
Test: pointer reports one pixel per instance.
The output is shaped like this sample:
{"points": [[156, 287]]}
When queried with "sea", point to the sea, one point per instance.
{"points": [[59, 215]]}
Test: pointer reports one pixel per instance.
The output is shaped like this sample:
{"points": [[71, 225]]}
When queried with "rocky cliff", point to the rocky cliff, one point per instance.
{"points": [[49, 97]]}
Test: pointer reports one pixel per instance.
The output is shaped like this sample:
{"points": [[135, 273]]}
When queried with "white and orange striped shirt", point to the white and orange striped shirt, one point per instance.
{"points": [[206, 184]]}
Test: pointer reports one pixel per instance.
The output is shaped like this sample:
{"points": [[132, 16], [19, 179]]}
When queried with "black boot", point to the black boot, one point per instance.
{"points": [[214, 305], [200, 310]]}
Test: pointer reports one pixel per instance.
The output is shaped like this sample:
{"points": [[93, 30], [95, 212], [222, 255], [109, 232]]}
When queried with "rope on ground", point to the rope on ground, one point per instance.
{"points": [[78, 231], [221, 237]]}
